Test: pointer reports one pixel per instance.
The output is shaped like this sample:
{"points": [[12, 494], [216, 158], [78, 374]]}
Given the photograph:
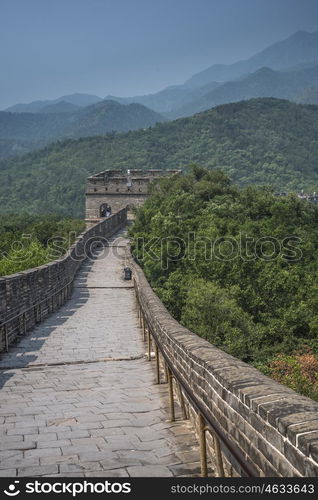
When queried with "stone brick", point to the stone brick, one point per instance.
{"points": [[295, 418], [305, 440], [43, 470], [294, 457], [297, 429], [149, 471], [8, 473]]}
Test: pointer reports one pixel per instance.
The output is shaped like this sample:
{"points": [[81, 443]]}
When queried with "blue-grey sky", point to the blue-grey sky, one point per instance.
{"points": [[128, 47]]}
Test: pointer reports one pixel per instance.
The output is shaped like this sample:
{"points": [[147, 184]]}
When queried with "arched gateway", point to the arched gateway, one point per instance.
{"points": [[118, 189]]}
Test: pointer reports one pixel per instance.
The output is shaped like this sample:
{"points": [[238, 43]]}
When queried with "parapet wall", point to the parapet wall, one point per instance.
{"points": [[273, 429], [26, 298]]}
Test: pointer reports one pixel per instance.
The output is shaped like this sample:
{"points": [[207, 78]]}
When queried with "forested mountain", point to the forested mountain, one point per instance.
{"points": [[21, 132], [107, 116], [299, 48], [59, 107], [264, 141], [265, 82]]}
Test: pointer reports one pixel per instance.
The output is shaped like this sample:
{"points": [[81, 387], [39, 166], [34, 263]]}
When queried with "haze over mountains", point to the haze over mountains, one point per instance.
{"points": [[22, 132], [294, 53], [76, 99], [299, 48], [287, 69], [219, 84], [264, 82]]}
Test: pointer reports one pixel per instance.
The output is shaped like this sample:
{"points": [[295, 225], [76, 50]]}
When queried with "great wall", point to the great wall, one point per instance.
{"points": [[97, 378]]}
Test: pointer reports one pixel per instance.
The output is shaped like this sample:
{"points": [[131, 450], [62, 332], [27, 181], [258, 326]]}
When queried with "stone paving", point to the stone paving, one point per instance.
{"points": [[78, 396]]}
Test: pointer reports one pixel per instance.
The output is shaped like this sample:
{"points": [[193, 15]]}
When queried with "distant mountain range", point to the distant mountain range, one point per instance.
{"points": [[169, 98], [23, 132], [264, 82], [293, 54], [298, 54], [78, 100], [287, 69]]}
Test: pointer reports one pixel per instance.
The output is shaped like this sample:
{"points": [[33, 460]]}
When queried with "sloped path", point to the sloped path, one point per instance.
{"points": [[77, 395]]}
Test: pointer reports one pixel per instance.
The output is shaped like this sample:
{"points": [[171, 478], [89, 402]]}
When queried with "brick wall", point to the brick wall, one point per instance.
{"points": [[26, 298], [274, 429]]}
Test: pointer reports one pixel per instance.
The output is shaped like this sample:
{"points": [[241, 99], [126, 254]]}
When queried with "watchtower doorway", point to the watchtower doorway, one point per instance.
{"points": [[105, 210]]}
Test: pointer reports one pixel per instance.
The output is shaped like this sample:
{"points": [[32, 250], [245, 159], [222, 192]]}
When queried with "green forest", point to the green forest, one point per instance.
{"points": [[263, 141], [27, 131], [28, 241], [238, 266]]}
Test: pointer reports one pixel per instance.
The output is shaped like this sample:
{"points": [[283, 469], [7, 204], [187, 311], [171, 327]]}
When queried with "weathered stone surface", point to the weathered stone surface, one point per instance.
{"points": [[68, 412], [313, 449], [149, 471], [304, 441], [43, 470]]}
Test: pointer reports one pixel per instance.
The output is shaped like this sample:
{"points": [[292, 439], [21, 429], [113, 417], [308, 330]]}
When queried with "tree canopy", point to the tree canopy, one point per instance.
{"points": [[28, 241], [238, 266]]}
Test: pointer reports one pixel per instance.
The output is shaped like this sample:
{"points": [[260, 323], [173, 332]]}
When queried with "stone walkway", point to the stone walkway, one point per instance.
{"points": [[77, 395]]}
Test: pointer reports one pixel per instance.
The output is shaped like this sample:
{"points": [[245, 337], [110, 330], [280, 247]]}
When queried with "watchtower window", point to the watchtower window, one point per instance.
{"points": [[95, 190], [106, 189], [117, 190]]}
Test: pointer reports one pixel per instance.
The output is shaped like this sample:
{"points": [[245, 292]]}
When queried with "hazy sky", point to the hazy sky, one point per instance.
{"points": [[127, 47]]}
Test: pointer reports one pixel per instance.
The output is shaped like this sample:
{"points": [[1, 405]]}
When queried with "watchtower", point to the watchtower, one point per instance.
{"points": [[112, 190]]}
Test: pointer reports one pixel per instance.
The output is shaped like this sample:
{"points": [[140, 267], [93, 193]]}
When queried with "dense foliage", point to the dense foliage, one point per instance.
{"points": [[29, 241], [237, 266], [298, 370], [259, 141]]}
